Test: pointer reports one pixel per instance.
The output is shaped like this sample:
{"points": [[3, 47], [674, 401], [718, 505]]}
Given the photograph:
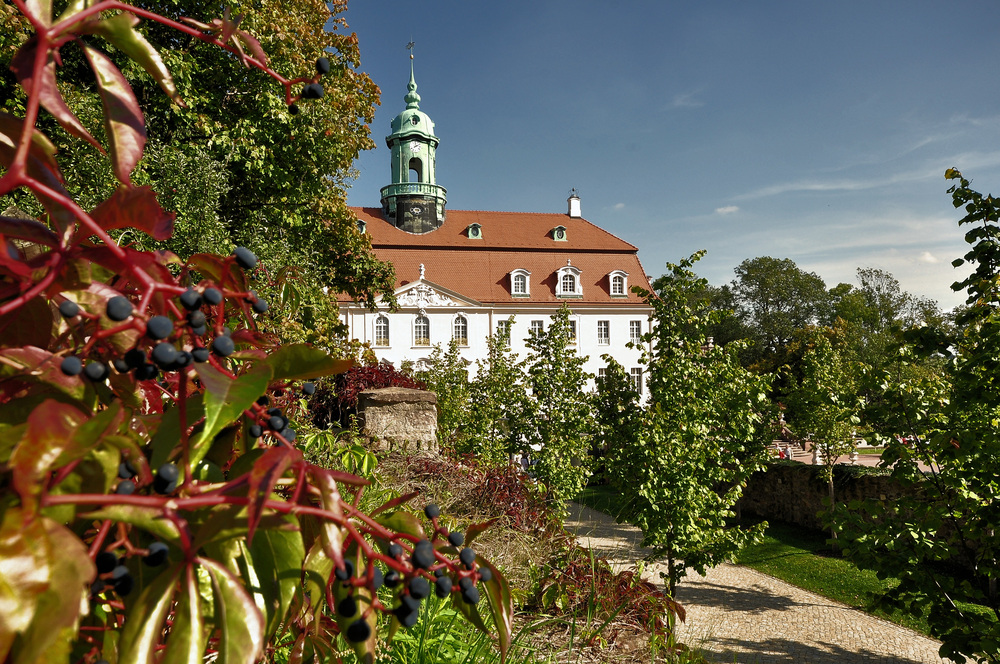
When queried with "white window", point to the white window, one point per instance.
{"points": [[635, 330], [618, 281], [568, 281], [617, 285], [503, 327], [572, 331], [460, 330], [602, 373], [421, 331], [604, 332], [520, 285], [537, 327], [381, 331], [635, 374]]}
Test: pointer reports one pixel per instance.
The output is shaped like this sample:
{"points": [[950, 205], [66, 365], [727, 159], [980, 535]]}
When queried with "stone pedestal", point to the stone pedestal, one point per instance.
{"points": [[399, 417]]}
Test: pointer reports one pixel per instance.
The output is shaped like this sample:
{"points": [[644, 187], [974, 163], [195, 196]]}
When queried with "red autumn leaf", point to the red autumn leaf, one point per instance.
{"points": [[266, 472], [48, 94], [28, 229], [135, 207], [123, 121]]}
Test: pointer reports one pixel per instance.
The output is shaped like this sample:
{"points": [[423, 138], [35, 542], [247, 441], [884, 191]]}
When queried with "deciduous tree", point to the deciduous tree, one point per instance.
{"points": [[940, 537], [555, 419], [703, 432]]}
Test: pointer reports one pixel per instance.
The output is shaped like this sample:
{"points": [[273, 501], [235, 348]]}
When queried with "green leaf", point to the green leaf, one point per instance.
{"points": [[238, 618], [123, 121], [168, 432], [120, 31], [501, 604], [144, 623], [50, 431], [302, 362], [58, 610], [186, 644], [277, 557], [44, 569], [225, 400], [402, 522], [149, 519]]}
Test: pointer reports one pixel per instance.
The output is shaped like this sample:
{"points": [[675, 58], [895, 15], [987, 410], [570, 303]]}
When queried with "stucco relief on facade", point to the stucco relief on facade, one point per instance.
{"points": [[423, 296]]}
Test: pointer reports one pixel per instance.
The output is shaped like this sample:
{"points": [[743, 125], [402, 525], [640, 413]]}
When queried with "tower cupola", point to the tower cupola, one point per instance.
{"points": [[413, 202]]}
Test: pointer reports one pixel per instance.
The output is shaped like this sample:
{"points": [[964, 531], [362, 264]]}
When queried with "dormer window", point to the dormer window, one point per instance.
{"points": [[559, 234], [520, 283], [362, 226], [475, 232], [568, 282], [618, 283]]}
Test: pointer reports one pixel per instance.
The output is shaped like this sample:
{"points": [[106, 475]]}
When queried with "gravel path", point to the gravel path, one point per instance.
{"points": [[735, 614]]}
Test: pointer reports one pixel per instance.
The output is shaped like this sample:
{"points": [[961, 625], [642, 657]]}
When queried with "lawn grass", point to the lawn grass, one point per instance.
{"points": [[602, 498], [795, 555], [803, 558]]}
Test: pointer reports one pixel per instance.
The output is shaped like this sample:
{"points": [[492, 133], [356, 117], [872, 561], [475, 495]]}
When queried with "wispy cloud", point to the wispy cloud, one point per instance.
{"points": [[727, 209], [686, 100], [619, 206], [928, 257]]}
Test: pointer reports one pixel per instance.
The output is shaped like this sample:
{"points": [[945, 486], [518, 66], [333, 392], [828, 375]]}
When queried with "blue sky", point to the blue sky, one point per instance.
{"points": [[818, 132]]}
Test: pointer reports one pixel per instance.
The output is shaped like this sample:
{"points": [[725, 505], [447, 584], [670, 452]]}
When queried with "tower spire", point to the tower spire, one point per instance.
{"points": [[412, 99], [414, 202]]}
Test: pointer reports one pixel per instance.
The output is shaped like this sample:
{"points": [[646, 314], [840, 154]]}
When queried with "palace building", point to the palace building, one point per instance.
{"points": [[462, 274]]}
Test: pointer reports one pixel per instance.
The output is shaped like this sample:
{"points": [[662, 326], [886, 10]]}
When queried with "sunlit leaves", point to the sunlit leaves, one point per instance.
{"points": [[237, 616], [44, 569], [120, 31], [123, 122]]}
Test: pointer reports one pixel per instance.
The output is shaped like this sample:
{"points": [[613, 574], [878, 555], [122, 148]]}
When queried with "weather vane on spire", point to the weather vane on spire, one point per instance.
{"points": [[409, 47]]}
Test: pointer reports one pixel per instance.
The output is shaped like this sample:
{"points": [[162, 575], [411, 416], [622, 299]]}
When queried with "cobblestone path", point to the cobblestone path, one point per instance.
{"points": [[735, 614]]}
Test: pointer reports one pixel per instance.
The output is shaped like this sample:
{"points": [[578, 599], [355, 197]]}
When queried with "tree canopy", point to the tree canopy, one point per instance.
{"points": [[235, 163]]}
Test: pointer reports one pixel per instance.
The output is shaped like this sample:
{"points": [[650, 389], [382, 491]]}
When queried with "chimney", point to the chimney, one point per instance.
{"points": [[574, 204]]}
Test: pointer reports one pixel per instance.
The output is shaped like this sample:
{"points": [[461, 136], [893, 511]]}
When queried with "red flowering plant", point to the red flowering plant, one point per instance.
{"points": [[153, 506]]}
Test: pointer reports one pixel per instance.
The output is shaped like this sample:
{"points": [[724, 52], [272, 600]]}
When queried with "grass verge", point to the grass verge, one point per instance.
{"points": [[795, 555]]}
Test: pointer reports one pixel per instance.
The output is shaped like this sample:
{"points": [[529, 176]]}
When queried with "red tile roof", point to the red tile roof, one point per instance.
{"points": [[480, 269]]}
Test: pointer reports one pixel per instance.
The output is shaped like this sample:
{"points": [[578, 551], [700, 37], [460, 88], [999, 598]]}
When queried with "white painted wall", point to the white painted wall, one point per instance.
{"points": [[484, 321]]}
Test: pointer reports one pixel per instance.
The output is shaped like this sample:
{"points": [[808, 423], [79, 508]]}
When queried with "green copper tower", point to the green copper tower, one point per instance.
{"points": [[413, 202]]}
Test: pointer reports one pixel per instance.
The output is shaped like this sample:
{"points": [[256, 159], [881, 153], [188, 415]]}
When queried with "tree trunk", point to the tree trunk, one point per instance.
{"points": [[833, 526]]}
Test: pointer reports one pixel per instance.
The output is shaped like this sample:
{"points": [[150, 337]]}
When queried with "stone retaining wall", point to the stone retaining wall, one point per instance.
{"points": [[795, 492]]}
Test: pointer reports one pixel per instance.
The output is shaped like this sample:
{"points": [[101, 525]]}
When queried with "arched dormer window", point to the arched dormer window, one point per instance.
{"points": [[460, 330], [475, 232], [618, 283], [362, 226], [421, 331], [381, 330], [568, 282], [559, 234], [520, 283]]}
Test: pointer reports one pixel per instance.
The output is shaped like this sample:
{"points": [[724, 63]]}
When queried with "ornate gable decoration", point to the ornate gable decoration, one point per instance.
{"points": [[423, 295]]}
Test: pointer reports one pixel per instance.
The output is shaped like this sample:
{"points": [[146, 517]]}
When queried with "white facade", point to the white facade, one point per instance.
{"points": [[431, 315]]}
